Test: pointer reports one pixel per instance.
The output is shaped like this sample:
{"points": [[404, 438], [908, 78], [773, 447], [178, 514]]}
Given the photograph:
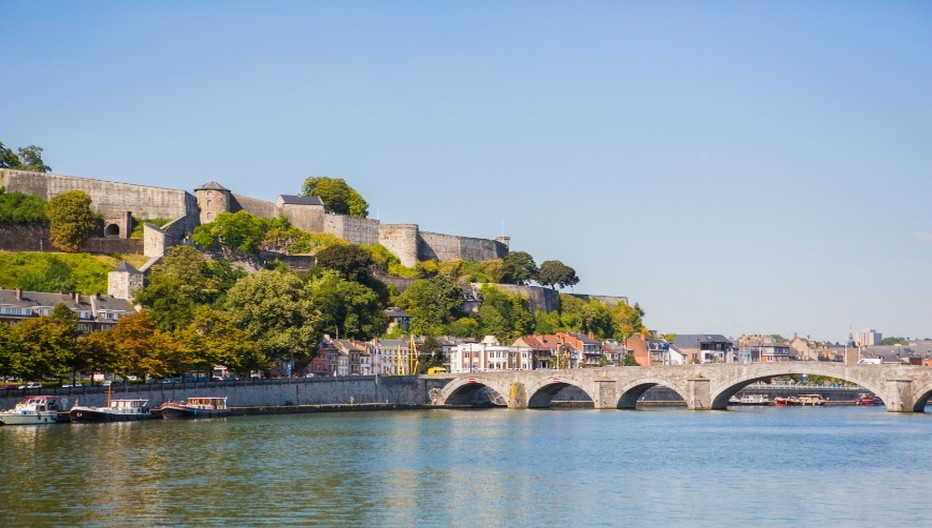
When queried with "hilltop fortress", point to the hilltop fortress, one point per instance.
{"points": [[119, 202]]}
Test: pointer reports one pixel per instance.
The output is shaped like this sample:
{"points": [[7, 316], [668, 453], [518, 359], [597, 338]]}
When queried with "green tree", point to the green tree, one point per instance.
{"points": [[353, 263], [49, 344], [21, 208], [432, 303], [338, 197], [71, 220], [212, 339], [430, 355], [592, 316], [518, 267], [504, 315], [241, 230], [347, 309], [184, 280], [28, 159], [554, 273], [629, 320], [274, 309]]}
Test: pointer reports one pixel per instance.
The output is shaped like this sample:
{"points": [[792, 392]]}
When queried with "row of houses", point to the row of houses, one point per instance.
{"points": [[399, 357], [95, 312]]}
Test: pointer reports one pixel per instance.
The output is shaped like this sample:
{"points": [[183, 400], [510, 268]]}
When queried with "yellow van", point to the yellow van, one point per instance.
{"points": [[437, 370]]}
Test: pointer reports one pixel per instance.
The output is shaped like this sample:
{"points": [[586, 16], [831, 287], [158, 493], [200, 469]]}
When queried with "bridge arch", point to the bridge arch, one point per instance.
{"points": [[541, 395], [922, 396], [628, 395], [723, 393], [468, 391]]}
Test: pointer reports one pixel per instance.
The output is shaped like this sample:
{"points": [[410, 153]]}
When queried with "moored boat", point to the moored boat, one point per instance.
{"points": [[34, 410], [811, 399], [786, 401], [868, 399], [196, 407], [128, 410], [750, 399]]}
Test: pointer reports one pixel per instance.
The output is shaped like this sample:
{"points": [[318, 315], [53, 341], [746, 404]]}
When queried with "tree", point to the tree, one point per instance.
{"points": [[29, 159], [142, 349], [211, 339], [430, 355], [592, 316], [629, 320], [48, 344], [338, 197], [274, 309], [71, 220], [554, 273], [353, 263], [432, 303], [21, 208], [241, 230], [506, 316], [518, 267], [347, 309]]}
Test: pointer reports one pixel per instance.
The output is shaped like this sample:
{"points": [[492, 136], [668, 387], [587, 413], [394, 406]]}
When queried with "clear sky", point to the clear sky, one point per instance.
{"points": [[733, 167]]}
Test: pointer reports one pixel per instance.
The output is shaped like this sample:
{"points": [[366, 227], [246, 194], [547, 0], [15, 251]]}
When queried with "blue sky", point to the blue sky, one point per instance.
{"points": [[733, 167]]}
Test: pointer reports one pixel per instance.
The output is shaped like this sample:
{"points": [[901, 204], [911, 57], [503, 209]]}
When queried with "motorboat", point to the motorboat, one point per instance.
{"points": [[34, 410], [120, 410], [750, 399], [868, 399], [196, 407]]}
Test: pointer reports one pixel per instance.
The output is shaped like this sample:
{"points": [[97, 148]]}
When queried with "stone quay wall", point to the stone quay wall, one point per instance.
{"points": [[403, 390]]}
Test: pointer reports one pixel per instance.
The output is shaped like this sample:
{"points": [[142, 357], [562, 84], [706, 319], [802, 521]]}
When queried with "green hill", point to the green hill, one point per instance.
{"points": [[54, 272]]}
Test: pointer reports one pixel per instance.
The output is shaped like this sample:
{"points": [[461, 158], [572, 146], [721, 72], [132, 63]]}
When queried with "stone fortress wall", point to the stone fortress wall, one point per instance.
{"points": [[115, 201]]}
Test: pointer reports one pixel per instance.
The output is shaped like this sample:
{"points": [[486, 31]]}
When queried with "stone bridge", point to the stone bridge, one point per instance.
{"points": [[903, 388]]}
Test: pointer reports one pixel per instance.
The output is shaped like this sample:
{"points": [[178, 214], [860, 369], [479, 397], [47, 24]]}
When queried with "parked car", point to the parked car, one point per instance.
{"points": [[31, 385]]}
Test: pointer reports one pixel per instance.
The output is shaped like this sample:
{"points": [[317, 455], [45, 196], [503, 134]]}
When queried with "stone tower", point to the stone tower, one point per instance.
{"points": [[213, 199], [123, 281]]}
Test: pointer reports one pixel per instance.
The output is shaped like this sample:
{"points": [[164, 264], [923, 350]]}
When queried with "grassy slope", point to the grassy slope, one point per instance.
{"points": [[87, 273]]}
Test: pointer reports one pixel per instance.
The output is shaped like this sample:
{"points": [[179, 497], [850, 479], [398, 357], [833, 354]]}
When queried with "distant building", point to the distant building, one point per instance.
{"points": [[869, 337]]}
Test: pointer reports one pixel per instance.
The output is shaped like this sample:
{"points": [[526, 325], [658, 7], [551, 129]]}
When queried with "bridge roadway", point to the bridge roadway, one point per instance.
{"points": [[903, 388]]}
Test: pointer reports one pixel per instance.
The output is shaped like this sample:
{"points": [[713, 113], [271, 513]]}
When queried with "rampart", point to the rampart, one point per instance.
{"points": [[352, 229], [451, 247]]}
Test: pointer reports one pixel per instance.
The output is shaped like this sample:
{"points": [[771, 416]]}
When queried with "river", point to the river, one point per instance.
{"points": [[836, 466]]}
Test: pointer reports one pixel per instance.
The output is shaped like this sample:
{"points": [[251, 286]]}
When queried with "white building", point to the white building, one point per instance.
{"points": [[489, 355]]}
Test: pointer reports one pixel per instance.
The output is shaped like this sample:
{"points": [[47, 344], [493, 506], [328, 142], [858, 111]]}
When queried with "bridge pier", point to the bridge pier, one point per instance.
{"points": [[517, 396], [900, 395], [604, 397], [699, 393]]}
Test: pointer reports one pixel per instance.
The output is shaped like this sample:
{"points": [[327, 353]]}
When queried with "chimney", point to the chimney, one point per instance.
{"points": [[77, 297], [19, 294]]}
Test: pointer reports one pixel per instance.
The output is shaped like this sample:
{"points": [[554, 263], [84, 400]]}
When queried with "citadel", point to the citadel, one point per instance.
{"points": [[120, 202]]}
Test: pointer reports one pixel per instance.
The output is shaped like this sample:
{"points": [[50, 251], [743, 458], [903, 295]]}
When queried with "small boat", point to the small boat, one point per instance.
{"points": [[128, 410], [196, 407], [868, 399], [811, 399], [786, 401], [33, 410], [750, 399]]}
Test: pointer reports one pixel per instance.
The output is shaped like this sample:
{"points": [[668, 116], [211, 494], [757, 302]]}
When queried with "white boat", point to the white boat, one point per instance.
{"points": [[115, 411], [34, 410], [750, 399]]}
